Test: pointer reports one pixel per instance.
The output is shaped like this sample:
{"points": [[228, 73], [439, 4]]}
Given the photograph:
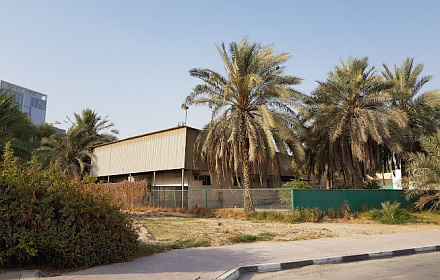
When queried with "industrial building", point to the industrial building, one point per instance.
{"points": [[31, 102], [164, 159]]}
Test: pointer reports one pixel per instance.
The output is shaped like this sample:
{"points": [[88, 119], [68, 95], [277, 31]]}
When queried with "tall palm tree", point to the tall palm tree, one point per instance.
{"points": [[252, 117], [423, 109], [351, 115], [15, 126], [72, 151]]}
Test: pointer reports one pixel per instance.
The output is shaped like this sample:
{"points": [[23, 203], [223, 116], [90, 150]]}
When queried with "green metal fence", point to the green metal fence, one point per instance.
{"points": [[272, 198], [326, 199]]}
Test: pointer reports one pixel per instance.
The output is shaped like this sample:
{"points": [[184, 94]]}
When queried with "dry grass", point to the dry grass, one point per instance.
{"points": [[197, 211], [170, 227], [127, 195], [428, 217]]}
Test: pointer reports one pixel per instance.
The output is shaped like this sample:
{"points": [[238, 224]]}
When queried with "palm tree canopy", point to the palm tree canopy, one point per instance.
{"points": [[96, 125], [15, 126], [351, 115], [73, 150], [423, 109], [70, 151], [252, 109]]}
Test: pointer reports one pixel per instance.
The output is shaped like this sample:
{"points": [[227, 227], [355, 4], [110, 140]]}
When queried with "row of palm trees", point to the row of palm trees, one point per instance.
{"points": [[356, 123]]}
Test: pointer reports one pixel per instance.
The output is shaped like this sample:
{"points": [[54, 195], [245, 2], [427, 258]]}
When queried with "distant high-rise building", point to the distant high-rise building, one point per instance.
{"points": [[30, 102]]}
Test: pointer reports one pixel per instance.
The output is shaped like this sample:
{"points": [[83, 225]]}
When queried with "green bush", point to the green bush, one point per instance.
{"points": [[47, 219], [296, 184], [391, 213]]}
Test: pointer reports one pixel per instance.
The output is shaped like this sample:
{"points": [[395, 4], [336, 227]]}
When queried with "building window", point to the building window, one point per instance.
{"points": [[206, 179]]}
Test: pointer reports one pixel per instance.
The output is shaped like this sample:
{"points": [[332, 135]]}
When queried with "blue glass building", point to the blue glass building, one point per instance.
{"points": [[30, 102]]}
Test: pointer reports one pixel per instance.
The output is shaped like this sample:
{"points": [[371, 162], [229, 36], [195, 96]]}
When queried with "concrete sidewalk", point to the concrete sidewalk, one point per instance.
{"points": [[17, 275], [213, 262]]}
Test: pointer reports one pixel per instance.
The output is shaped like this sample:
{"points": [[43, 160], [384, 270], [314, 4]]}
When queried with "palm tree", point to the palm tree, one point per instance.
{"points": [[15, 126], [423, 109], [424, 173], [252, 117], [96, 126], [70, 151], [351, 115], [73, 151]]}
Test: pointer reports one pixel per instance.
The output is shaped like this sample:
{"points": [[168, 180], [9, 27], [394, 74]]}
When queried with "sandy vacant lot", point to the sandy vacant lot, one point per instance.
{"points": [[163, 228]]}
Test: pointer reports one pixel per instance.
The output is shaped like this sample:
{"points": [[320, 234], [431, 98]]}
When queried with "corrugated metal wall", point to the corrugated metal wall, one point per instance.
{"points": [[191, 136], [164, 150]]}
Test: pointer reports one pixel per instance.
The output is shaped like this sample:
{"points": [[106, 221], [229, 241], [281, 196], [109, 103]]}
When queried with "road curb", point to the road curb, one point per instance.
{"points": [[235, 273], [30, 274]]}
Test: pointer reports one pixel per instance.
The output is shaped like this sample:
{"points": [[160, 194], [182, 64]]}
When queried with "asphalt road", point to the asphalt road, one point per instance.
{"points": [[420, 266]]}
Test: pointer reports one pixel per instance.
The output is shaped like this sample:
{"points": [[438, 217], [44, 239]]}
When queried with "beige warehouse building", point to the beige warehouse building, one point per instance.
{"points": [[165, 160]]}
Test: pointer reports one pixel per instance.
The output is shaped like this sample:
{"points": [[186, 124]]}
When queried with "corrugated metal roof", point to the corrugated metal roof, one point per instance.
{"points": [[161, 150], [146, 134]]}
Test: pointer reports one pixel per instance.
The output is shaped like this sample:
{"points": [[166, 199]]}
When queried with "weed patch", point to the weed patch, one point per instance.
{"points": [[146, 249], [188, 244], [299, 216], [246, 238], [427, 217]]}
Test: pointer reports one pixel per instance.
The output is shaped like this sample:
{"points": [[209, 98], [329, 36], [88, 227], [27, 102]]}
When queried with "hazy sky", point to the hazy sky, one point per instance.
{"points": [[129, 60]]}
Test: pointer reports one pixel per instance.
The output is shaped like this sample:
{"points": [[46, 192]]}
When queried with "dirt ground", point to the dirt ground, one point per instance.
{"points": [[168, 228]]}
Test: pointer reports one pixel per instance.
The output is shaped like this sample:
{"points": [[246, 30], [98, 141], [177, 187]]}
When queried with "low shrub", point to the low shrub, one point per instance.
{"points": [[308, 215], [47, 219], [268, 216], [391, 213], [285, 195], [363, 208], [343, 212]]}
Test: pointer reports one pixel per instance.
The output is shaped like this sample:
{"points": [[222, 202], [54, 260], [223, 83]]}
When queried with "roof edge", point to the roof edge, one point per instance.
{"points": [[146, 134]]}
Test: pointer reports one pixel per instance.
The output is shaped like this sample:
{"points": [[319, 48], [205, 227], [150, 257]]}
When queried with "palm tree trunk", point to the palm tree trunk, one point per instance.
{"points": [[329, 180], [358, 179], [247, 185], [403, 163], [247, 180]]}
